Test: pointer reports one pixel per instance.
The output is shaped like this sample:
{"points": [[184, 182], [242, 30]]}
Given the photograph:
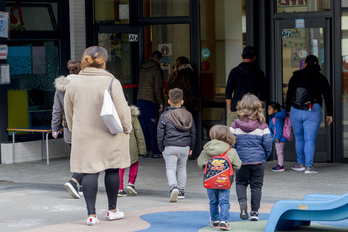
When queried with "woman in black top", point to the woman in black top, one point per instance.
{"points": [[304, 102]]}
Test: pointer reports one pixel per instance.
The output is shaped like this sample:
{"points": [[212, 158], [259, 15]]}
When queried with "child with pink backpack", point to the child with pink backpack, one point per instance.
{"points": [[280, 132]]}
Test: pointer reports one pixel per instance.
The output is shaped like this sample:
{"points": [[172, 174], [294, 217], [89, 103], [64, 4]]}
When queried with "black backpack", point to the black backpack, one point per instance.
{"points": [[303, 96]]}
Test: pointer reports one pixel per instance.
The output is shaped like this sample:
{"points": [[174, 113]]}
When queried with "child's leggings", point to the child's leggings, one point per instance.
{"points": [[279, 148], [133, 171]]}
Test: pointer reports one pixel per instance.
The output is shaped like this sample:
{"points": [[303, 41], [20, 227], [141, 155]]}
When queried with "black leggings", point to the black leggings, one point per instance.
{"points": [[90, 189]]}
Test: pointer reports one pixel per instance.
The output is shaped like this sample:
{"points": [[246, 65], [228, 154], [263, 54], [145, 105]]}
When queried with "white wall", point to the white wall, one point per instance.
{"points": [[229, 45], [32, 151]]}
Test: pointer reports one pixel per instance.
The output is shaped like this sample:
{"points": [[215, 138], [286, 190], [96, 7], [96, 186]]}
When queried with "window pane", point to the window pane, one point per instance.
{"points": [[34, 65], [285, 6], [223, 37], [32, 16], [118, 47], [165, 8], [345, 80], [111, 11]]}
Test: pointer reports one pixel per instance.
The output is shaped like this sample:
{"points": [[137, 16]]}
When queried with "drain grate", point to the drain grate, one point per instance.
{"points": [[5, 182]]}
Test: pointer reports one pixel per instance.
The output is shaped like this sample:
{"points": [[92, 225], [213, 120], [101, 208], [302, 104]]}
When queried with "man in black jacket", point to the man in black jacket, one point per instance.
{"points": [[245, 78]]}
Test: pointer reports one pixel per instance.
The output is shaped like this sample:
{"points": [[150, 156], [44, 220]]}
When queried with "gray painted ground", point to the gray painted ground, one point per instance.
{"points": [[37, 198]]}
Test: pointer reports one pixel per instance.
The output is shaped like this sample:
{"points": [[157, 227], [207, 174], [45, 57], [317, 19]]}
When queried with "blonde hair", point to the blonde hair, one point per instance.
{"points": [[94, 56], [250, 107], [74, 66], [222, 133]]}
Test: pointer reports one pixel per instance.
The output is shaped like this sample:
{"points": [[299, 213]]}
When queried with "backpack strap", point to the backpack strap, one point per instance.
{"points": [[225, 152], [205, 169]]}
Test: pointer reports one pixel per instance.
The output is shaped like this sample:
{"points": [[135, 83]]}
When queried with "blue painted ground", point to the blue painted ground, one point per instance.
{"points": [[192, 221]]}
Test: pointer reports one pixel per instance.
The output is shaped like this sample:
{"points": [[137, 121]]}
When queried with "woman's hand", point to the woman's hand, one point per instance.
{"points": [[276, 140], [329, 120]]}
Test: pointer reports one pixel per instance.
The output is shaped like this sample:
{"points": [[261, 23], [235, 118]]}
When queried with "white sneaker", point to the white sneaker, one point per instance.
{"points": [[114, 216], [174, 195], [91, 221]]}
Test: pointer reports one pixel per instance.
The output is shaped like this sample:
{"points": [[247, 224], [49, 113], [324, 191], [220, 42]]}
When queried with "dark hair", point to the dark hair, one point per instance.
{"points": [[312, 63], [275, 105], [175, 95], [74, 66], [156, 55], [248, 52], [182, 60], [94, 56]]}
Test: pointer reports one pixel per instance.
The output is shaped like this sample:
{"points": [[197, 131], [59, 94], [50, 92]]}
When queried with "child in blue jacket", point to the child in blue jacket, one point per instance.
{"points": [[254, 145], [276, 124]]}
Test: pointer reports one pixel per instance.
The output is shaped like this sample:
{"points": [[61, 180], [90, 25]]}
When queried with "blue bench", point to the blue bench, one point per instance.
{"points": [[313, 207]]}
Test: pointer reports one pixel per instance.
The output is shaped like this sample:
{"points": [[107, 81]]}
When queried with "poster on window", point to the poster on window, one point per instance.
{"points": [[3, 52], [5, 74], [4, 24]]}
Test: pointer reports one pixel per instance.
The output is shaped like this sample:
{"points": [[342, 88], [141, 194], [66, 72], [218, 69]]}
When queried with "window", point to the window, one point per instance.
{"points": [[32, 16], [165, 8], [111, 11], [288, 6]]}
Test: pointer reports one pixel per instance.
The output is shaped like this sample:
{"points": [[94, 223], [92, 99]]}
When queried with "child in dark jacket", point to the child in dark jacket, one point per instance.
{"points": [[221, 141], [176, 136], [254, 145], [275, 112]]}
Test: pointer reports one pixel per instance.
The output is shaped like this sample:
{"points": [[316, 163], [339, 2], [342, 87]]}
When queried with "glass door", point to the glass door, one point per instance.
{"points": [[122, 45], [297, 38]]}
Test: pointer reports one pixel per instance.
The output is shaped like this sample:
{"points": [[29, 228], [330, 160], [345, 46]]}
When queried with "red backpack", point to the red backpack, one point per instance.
{"points": [[218, 172], [287, 129]]}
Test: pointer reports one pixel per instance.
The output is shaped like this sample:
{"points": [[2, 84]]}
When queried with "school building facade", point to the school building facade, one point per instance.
{"points": [[44, 35]]}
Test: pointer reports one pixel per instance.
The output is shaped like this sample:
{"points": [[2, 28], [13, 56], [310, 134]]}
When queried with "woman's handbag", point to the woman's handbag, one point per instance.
{"points": [[109, 114]]}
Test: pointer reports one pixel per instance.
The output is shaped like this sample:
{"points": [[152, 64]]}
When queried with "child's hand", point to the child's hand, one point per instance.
{"points": [[190, 152], [276, 140]]}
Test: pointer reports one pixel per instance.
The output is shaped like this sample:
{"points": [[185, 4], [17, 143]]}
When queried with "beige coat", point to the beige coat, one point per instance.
{"points": [[94, 148]]}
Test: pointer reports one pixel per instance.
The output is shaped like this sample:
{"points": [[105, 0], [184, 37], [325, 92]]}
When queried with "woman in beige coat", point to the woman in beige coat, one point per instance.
{"points": [[94, 148]]}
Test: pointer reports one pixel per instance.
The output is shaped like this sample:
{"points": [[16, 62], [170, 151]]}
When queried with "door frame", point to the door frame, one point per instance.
{"points": [[136, 25], [310, 22]]}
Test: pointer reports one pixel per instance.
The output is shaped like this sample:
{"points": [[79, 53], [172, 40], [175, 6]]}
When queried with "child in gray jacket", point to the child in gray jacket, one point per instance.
{"points": [[176, 136]]}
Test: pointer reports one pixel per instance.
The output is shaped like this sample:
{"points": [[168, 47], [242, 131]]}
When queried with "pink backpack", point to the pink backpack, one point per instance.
{"points": [[287, 129]]}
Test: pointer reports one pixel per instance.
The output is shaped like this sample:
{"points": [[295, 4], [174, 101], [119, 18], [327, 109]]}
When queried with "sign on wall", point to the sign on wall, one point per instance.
{"points": [[4, 24], [165, 49], [3, 52], [133, 37]]}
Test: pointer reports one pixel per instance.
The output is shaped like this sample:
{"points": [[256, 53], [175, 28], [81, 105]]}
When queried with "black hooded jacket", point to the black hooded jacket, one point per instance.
{"points": [[176, 128]]}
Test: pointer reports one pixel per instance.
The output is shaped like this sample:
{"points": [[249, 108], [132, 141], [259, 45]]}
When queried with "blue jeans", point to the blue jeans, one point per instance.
{"points": [[305, 125], [219, 197], [149, 116]]}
